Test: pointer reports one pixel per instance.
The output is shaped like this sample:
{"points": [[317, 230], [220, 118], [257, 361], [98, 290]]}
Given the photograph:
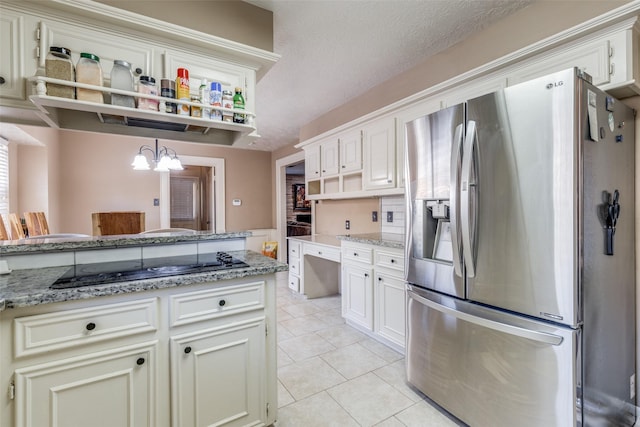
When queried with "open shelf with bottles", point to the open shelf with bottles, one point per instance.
{"points": [[75, 114]]}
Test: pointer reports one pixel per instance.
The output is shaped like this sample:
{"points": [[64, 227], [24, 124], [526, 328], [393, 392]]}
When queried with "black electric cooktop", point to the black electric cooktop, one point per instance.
{"points": [[124, 271]]}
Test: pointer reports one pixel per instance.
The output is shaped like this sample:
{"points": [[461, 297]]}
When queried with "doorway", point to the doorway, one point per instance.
{"points": [[189, 194], [284, 198], [213, 199]]}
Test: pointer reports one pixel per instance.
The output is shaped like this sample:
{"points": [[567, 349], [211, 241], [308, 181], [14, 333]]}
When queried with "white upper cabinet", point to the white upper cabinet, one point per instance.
{"points": [[154, 48], [351, 151], [312, 162], [379, 154], [329, 158], [17, 60]]}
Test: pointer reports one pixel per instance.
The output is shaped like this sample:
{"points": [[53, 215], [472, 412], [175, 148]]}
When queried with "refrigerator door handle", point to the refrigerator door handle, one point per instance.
{"points": [[454, 199], [542, 337], [466, 188]]}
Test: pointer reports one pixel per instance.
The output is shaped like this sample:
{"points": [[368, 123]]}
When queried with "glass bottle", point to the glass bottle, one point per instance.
{"points": [[58, 65], [238, 104], [227, 102], [89, 71], [122, 78]]}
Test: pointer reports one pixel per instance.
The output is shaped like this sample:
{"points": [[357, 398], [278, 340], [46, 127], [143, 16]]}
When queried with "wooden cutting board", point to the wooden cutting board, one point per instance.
{"points": [[112, 223]]}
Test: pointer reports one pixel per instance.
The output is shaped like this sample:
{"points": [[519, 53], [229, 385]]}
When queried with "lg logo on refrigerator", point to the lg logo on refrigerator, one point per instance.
{"points": [[556, 84]]}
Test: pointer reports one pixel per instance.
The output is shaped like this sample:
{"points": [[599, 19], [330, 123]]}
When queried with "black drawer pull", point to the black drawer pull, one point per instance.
{"points": [[187, 350], [140, 361], [91, 326], [221, 303], [2, 81]]}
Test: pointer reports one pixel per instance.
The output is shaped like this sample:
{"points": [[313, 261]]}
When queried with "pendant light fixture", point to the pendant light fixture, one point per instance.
{"points": [[165, 159]]}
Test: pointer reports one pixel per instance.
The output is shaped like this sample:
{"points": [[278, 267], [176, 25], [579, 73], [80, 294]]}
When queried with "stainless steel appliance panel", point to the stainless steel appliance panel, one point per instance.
{"points": [[518, 199], [432, 238], [489, 368], [608, 280]]}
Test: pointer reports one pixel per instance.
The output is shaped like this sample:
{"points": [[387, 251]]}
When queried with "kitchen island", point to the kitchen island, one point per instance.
{"points": [[183, 350]]}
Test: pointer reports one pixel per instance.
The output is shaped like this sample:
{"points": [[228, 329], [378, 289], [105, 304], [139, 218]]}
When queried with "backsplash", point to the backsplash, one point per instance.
{"points": [[395, 206]]}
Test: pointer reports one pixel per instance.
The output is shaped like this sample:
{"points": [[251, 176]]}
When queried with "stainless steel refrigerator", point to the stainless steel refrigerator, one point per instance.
{"points": [[520, 256]]}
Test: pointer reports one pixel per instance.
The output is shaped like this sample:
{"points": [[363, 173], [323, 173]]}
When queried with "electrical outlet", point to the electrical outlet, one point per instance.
{"points": [[374, 216], [390, 216], [347, 224]]}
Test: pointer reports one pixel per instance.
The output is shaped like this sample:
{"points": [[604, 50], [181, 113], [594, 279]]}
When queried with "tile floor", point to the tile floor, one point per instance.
{"points": [[330, 374]]}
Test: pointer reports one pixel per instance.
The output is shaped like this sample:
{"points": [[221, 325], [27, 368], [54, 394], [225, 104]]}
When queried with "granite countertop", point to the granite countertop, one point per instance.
{"points": [[388, 240], [44, 244], [321, 239], [23, 288]]}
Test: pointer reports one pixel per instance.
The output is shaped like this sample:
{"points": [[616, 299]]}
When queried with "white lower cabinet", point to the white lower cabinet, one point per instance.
{"points": [[186, 356], [218, 375], [357, 295], [373, 291]]}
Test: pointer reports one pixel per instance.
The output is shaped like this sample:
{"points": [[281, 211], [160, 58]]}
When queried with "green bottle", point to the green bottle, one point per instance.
{"points": [[238, 104]]}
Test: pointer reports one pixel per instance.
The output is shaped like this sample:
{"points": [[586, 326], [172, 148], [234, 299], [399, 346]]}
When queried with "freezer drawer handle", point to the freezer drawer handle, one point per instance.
{"points": [[486, 323]]}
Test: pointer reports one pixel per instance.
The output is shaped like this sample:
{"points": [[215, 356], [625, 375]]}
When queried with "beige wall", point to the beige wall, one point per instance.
{"points": [[94, 174], [230, 19], [531, 24], [330, 216]]}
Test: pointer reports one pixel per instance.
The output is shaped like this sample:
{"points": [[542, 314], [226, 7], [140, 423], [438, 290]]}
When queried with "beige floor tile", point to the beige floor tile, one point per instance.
{"points": [[387, 353], [423, 414], [390, 422], [319, 410], [303, 379], [341, 335], [284, 397], [353, 360], [283, 333], [303, 325], [394, 374], [330, 317], [283, 358], [369, 400], [326, 303], [300, 310], [305, 346], [282, 315]]}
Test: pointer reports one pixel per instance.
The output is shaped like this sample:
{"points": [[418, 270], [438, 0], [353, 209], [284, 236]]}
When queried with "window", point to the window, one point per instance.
{"points": [[183, 198]]}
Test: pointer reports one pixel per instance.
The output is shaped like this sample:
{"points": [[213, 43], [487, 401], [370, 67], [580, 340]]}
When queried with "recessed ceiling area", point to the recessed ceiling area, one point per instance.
{"points": [[334, 51]]}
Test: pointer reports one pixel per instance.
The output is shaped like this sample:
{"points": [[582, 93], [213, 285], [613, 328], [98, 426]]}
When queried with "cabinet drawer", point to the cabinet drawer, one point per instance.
{"points": [[294, 283], [390, 259], [294, 266], [357, 253], [322, 251], [204, 305], [294, 249], [47, 332]]}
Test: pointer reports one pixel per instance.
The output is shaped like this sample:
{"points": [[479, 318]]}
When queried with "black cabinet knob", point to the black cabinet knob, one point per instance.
{"points": [[2, 81], [366, 274], [379, 279], [140, 361], [221, 303], [187, 350], [91, 326], [138, 71], [392, 261]]}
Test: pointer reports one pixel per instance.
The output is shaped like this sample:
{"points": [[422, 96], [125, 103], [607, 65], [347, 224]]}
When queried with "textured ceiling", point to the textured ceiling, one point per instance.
{"points": [[335, 50]]}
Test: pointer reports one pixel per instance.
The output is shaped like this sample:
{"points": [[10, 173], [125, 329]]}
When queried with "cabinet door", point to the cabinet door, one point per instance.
{"points": [[357, 295], [330, 158], [115, 388], [12, 48], [390, 308], [592, 57], [218, 376], [351, 151], [202, 67], [312, 162], [103, 43], [379, 140]]}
